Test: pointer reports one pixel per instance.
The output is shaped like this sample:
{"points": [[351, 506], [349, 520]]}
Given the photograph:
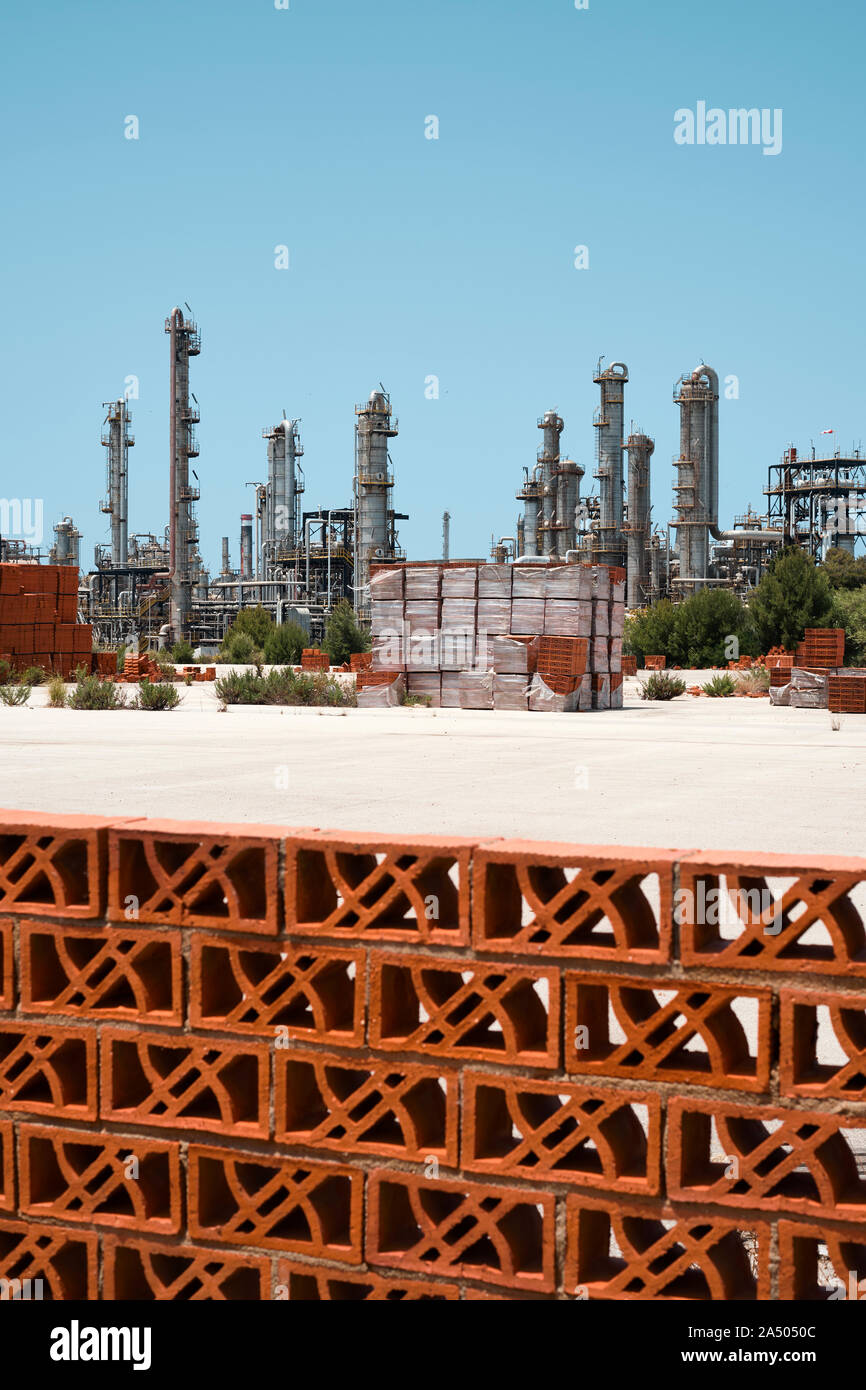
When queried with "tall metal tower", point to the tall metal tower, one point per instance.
{"points": [[373, 482], [285, 484], [610, 549], [637, 529], [185, 342], [118, 442], [446, 534], [548, 458]]}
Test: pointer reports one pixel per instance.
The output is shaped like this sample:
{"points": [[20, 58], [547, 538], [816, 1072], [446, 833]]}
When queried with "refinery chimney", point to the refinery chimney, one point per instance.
{"points": [[183, 531], [246, 545], [373, 482], [118, 441], [610, 549], [637, 529]]}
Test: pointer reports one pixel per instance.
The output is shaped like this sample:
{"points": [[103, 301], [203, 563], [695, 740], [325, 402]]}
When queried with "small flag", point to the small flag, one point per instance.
{"points": [[828, 431]]}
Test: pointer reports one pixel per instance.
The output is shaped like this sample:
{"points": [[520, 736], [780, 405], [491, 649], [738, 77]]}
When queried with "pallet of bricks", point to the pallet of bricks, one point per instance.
{"points": [[286, 1080], [497, 636], [803, 680], [314, 660], [38, 619]]}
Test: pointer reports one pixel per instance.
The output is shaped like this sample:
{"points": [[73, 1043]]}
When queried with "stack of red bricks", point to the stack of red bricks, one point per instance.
{"points": [[243, 1062], [847, 692], [817, 660], [314, 660], [38, 618], [655, 662], [139, 667], [822, 648], [200, 673], [465, 634], [360, 661]]}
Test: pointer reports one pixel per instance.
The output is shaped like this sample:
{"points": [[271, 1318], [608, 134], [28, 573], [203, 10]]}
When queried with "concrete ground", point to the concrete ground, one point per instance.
{"points": [[693, 773]]}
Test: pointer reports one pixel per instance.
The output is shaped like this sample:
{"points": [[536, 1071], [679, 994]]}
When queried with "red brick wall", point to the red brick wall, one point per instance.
{"points": [[324, 1066]]}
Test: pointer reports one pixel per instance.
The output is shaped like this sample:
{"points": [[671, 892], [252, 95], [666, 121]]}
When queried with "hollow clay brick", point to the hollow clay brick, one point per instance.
{"points": [[64, 1260], [817, 1261], [480, 1010], [566, 900], [366, 1105], [7, 965], [178, 873], [379, 888], [806, 1163], [51, 865], [79, 1175], [514, 1127], [123, 973], [801, 1072], [662, 1254], [7, 1166], [757, 920], [181, 1082], [275, 1203], [461, 1229], [674, 1030], [47, 1069], [320, 1283], [146, 1270], [311, 992]]}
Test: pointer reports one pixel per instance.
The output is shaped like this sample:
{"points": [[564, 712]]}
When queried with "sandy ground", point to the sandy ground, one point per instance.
{"points": [[693, 773]]}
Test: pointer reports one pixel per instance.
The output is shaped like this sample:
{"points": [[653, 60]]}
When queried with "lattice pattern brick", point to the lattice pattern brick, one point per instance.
{"points": [[762, 1157], [212, 877], [312, 992], [412, 890], [667, 1030], [129, 973], [646, 1251], [275, 1204], [65, 1261], [366, 1105], [801, 1072], [145, 1270], [320, 1284], [484, 1011], [48, 1070], [7, 965], [821, 1262], [7, 1166], [461, 1229], [550, 1130], [186, 1083], [774, 913], [52, 864], [555, 900], [99, 1179]]}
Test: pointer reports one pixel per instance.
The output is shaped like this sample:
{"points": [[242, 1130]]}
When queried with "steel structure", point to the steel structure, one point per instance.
{"points": [[118, 441], [374, 535], [818, 502], [185, 342], [636, 529], [609, 546]]}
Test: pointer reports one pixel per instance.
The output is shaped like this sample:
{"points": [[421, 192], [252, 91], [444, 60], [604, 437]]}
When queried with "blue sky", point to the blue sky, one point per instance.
{"points": [[411, 257]]}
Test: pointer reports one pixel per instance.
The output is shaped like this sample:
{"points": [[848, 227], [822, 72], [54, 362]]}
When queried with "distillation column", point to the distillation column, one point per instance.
{"points": [[183, 531], [567, 482], [610, 549], [118, 441], [372, 492], [548, 458], [637, 531], [696, 491]]}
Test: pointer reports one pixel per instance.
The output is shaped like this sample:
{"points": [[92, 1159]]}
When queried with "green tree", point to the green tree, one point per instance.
{"points": [[792, 595], [843, 571], [182, 652], [247, 635], [849, 611], [704, 625], [650, 631], [283, 646], [343, 637]]}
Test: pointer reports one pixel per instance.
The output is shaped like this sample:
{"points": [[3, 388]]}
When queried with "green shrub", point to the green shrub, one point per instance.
{"points": [[253, 623], [121, 657], [282, 686], [284, 644], [418, 701], [849, 611], [57, 692], [650, 631], [343, 637], [239, 648], [753, 681], [15, 694], [92, 693], [6, 672], [720, 687], [160, 695], [659, 686], [34, 675], [792, 594], [182, 652]]}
